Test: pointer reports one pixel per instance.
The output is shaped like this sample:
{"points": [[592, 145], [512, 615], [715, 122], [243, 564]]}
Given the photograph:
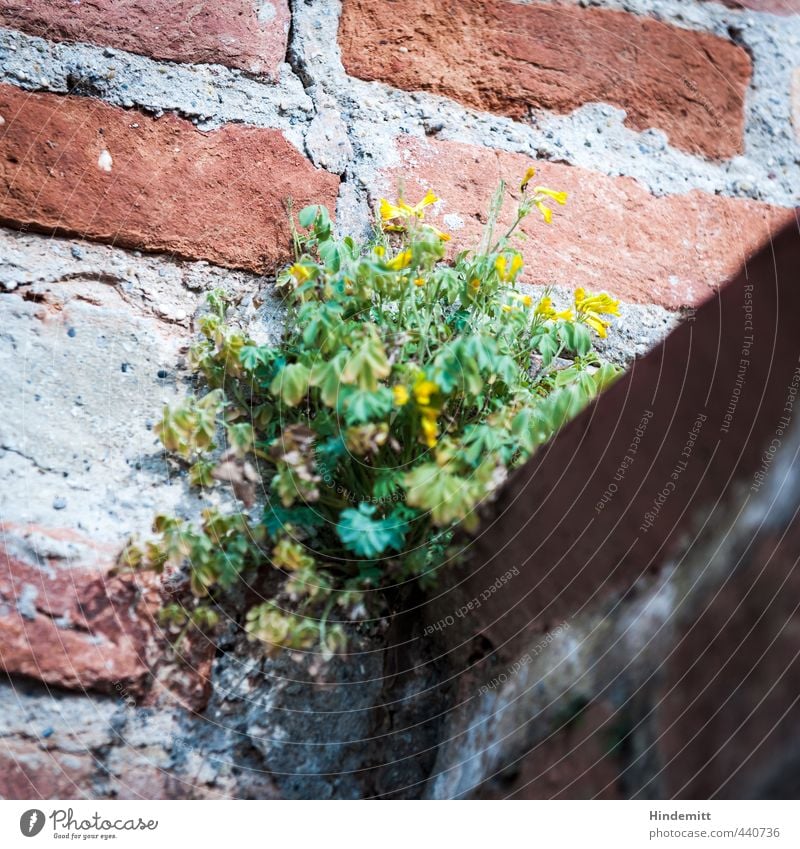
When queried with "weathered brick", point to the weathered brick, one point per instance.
{"points": [[78, 166], [612, 234], [71, 626], [240, 33], [509, 58], [29, 772], [83, 629]]}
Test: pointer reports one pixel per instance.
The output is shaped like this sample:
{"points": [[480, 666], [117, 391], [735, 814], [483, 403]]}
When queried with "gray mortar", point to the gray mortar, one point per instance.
{"points": [[208, 95]]}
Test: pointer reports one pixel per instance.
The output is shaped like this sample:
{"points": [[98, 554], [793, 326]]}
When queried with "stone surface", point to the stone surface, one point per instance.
{"points": [[510, 58], [611, 235], [246, 34], [77, 166]]}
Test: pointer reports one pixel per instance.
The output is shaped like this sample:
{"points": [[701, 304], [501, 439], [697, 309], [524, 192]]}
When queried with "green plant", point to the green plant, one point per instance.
{"points": [[404, 389]]}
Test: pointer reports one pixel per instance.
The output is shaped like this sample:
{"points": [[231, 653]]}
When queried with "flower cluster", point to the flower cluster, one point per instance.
{"points": [[399, 398]]}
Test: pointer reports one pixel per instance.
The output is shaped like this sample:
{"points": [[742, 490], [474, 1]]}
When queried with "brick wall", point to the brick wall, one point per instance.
{"points": [[147, 154]]}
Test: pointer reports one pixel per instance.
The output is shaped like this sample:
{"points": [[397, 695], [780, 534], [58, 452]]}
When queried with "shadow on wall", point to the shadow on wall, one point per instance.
{"points": [[629, 623]]}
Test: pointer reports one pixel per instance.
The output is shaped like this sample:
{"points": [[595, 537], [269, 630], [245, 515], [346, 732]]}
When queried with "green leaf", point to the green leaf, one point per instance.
{"points": [[367, 364], [321, 326], [455, 369], [482, 440], [253, 356], [386, 486], [291, 384], [327, 377], [548, 348], [362, 406], [575, 337], [277, 517], [307, 215], [447, 497], [241, 437], [368, 537], [606, 375]]}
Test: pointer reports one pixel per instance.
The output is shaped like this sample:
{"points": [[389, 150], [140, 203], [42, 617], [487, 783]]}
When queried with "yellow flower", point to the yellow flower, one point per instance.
{"points": [[423, 389], [429, 431], [395, 215], [419, 281], [401, 395], [300, 272], [506, 308], [429, 199], [401, 261], [558, 197], [590, 309], [529, 175], [527, 300], [380, 250], [394, 210], [597, 324], [547, 213], [544, 308], [475, 284], [600, 302], [507, 272], [389, 211]]}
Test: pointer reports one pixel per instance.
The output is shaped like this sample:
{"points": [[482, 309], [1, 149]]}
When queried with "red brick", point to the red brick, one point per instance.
{"points": [[28, 772], [80, 628], [243, 34], [77, 636], [612, 234], [217, 196], [508, 58]]}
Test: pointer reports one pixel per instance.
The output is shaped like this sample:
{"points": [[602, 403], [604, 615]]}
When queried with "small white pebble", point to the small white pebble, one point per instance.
{"points": [[104, 161], [2, 120]]}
